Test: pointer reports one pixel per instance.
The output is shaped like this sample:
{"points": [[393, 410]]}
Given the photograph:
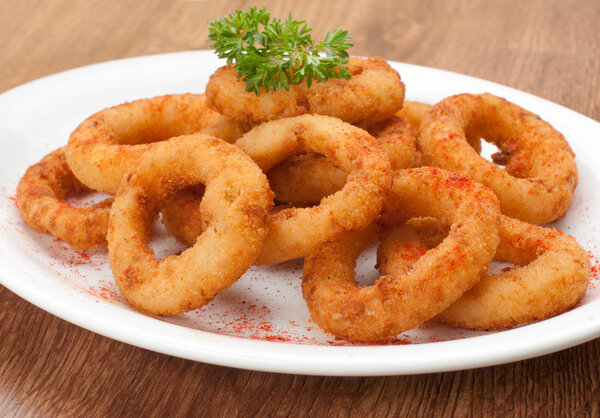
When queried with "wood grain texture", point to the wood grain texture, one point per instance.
{"points": [[49, 367]]}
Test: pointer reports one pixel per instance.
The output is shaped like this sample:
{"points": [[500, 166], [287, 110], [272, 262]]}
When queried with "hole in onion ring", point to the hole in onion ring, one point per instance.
{"points": [[366, 271], [491, 152], [497, 267], [86, 198], [162, 243]]}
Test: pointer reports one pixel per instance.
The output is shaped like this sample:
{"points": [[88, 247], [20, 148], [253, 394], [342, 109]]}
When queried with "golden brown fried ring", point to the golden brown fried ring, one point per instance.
{"points": [[374, 93], [293, 232], [540, 176], [397, 303], [181, 217], [180, 213], [552, 275], [234, 208], [306, 179], [110, 143], [414, 112], [40, 199]]}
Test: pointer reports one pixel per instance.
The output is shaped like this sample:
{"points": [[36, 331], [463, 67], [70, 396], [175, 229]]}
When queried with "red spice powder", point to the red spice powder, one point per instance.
{"points": [[105, 291], [69, 258], [595, 268]]}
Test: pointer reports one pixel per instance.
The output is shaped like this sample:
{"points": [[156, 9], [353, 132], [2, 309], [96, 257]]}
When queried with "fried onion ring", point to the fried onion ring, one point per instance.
{"points": [[540, 176], [234, 208], [306, 179], [40, 199], [397, 303], [552, 276], [110, 143], [293, 232], [414, 112], [180, 214], [374, 93]]}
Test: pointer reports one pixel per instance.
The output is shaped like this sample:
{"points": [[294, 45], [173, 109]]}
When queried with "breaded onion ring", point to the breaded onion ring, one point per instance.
{"points": [[110, 143], [40, 199], [234, 208], [552, 276], [293, 232], [306, 179], [397, 303], [540, 176], [374, 93], [414, 112], [181, 216]]}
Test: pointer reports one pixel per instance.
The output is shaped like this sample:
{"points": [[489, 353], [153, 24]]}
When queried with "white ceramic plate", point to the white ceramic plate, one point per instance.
{"points": [[260, 323]]}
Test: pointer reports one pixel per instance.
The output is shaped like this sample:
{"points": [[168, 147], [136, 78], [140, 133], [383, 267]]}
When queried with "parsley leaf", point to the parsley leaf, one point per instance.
{"points": [[274, 54]]}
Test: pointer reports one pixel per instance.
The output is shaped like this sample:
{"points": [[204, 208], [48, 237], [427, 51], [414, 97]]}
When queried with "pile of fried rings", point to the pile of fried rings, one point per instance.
{"points": [[347, 163]]}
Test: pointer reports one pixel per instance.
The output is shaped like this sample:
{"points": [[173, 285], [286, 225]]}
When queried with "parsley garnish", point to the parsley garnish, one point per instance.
{"points": [[274, 54]]}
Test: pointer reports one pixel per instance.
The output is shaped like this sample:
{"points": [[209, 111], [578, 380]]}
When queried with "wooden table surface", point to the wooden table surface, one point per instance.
{"points": [[50, 367]]}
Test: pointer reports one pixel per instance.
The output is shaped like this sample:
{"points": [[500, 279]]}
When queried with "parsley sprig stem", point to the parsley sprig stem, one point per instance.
{"points": [[273, 54]]}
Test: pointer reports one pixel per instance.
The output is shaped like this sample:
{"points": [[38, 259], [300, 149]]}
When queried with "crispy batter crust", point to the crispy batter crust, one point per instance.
{"points": [[40, 198], [414, 112], [374, 93], [110, 143], [551, 273], [398, 303], [293, 232], [306, 179], [234, 209], [540, 176]]}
